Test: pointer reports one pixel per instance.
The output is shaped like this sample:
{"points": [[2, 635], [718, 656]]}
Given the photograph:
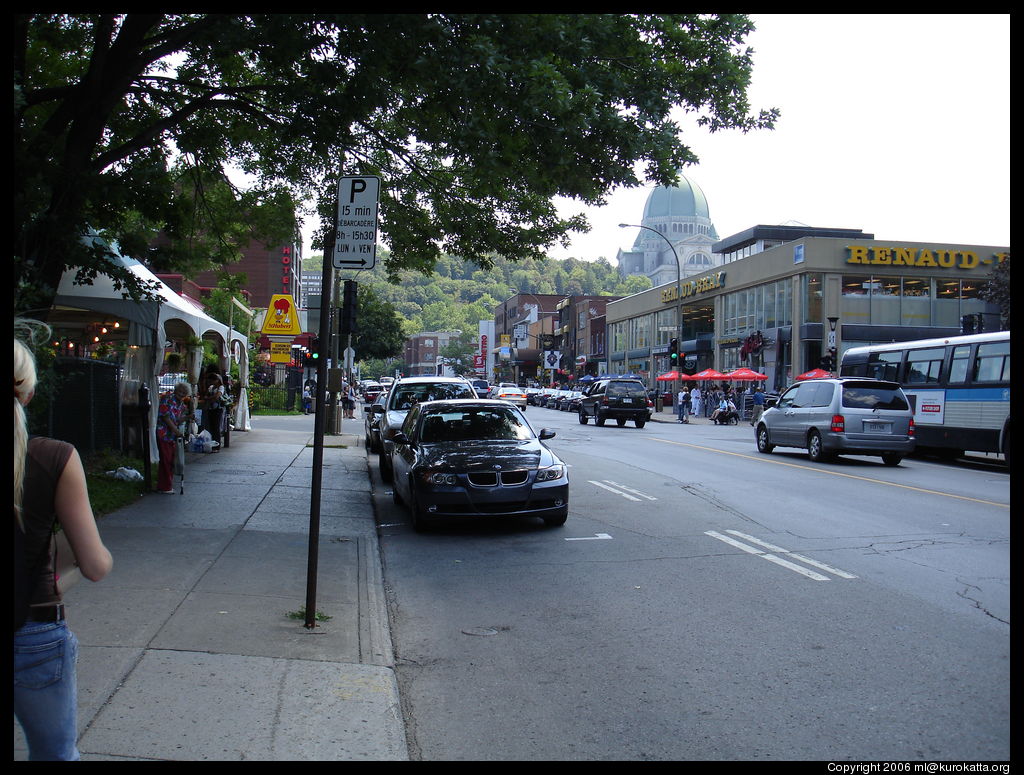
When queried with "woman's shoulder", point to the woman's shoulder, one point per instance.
{"points": [[49, 451]]}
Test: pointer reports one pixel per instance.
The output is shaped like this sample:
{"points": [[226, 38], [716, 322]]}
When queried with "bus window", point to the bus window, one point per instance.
{"points": [[885, 366], [992, 363], [958, 365], [923, 366]]}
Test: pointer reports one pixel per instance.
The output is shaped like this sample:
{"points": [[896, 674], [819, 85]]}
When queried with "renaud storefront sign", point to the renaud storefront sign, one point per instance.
{"points": [[933, 258], [693, 287]]}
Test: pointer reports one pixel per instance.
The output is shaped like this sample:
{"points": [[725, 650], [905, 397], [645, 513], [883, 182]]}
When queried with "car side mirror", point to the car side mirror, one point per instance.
{"points": [[770, 402], [546, 433], [401, 438]]}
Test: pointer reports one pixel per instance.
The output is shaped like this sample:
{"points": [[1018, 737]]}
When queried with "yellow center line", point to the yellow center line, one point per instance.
{"points": [[761, 459]]}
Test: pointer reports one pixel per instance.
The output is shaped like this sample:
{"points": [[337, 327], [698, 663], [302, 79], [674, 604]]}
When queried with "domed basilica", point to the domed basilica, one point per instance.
{"points": [[680, 215]]}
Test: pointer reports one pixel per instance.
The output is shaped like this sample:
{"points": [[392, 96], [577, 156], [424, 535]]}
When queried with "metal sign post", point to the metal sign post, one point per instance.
{"points": [[319, 419]]}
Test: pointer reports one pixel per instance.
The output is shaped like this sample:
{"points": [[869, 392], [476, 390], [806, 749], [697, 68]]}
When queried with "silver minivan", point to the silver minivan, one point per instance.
{"points": [[852, 416]]}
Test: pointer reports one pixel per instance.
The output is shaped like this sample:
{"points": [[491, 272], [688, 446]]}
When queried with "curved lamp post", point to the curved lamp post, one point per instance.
{"points": [[679, 296]]}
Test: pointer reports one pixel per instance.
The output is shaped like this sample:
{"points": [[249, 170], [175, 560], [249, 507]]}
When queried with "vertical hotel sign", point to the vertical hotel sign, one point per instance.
{"points": [[286, 269]]}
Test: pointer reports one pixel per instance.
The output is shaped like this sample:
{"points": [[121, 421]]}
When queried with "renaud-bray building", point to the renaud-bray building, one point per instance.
{"points": [[770, 301]]}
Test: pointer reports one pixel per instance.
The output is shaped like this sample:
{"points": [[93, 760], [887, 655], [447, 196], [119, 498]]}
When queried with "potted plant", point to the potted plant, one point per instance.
{"points": [[173, 362]]}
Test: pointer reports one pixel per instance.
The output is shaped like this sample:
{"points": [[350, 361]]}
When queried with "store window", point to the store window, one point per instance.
{"points": [[617, 337], [885, 300], [916, 302], [811, 288], [640, 331], [666, 327], [698, 320], [758, 308]]}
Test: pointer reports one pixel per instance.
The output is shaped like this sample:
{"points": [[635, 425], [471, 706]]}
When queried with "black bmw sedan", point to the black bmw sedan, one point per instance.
{"points": [[481, 458]]}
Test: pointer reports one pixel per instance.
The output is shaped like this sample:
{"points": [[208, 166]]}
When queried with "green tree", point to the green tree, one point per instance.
{"points": [[129, 124], [379, 332], [997, 290]]}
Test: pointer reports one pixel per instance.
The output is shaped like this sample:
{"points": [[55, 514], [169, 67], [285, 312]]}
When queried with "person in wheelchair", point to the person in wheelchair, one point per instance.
{"points": [[726, 412]]}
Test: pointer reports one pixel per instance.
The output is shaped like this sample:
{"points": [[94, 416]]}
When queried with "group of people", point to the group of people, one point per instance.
{"points": [[719, 404], [175, 412]]}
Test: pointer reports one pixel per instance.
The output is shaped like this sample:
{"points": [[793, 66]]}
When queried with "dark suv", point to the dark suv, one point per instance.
{"points": [[616, 399]]}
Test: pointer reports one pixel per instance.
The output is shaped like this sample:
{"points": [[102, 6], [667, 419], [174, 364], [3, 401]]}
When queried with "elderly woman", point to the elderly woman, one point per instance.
{"points": [[173, 411]]}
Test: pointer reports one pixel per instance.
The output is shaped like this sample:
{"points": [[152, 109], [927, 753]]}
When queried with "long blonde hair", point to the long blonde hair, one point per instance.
{"points": [[24, 387]]}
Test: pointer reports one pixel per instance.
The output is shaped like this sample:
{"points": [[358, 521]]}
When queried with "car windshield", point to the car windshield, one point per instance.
{"points": [[473, 424], [869, 396], [406, 396]]}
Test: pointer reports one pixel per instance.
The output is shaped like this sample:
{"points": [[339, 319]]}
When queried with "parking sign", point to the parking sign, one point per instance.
{"points": [[355, 246]]}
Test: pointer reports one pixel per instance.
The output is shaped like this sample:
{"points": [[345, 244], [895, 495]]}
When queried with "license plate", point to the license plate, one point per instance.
{"points": [[878, 427], [627, 400]]}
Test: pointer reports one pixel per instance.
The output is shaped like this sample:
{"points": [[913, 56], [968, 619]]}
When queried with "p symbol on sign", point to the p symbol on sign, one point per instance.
{"points": [[358, 187]]}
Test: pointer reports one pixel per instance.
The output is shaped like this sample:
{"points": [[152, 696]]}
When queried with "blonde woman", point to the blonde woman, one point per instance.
{"points": [[49, 489]]}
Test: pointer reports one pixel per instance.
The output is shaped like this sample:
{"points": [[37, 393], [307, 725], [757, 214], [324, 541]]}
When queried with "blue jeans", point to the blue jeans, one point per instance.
{"points": [[45, 689]]}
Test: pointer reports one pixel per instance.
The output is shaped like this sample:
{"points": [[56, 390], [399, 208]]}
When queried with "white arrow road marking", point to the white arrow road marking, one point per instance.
{"points": [[794, 555], [612, 489], [770, 557], [598, 537]]}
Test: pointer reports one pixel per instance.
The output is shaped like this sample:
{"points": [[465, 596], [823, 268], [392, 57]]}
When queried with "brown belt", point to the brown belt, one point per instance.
{"points": [[47, 613]]}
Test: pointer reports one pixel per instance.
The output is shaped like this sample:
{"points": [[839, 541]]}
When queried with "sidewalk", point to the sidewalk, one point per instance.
{"points": [[186, 648]]}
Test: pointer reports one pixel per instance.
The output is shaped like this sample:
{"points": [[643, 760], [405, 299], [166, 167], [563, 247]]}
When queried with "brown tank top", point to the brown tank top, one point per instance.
{"points": [[44, 465]]}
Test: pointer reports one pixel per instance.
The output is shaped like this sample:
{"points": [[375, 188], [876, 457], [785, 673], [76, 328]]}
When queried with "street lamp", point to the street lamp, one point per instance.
{"points": [[679, 294]]}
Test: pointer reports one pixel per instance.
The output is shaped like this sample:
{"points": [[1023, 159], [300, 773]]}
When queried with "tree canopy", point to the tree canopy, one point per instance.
{"points": [[132, 124]]}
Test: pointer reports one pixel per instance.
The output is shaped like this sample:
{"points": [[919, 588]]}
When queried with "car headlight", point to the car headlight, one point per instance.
{"points": [[440, 477], [550, 473]]}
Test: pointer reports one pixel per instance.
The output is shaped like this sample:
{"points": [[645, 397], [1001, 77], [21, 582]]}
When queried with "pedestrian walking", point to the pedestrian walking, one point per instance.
{"points": [[49, 492], [695, 396], [211, 395], [684, 402], [172, 413], [350, 401], [758, 405]]}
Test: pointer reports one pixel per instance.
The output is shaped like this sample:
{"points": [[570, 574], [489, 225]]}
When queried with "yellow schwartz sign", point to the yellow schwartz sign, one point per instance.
{"points": [[946, 258], [282, 318], [711, 282]]}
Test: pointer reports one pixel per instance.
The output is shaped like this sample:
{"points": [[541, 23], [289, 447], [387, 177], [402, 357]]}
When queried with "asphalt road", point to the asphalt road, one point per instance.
{"points": [[707, 602]]}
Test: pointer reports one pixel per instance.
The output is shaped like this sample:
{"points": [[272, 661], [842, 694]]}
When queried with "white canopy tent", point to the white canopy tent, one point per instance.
{"points": [[169, 317]]}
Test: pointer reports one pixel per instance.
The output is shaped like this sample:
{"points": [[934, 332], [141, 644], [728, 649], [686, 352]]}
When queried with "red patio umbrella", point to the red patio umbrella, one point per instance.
{"points": [[669, 376], [707, 374], [745, 374], [815, 374]]}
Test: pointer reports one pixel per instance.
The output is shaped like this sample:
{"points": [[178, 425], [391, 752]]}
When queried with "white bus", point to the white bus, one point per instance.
{"points": [[959, 387]]}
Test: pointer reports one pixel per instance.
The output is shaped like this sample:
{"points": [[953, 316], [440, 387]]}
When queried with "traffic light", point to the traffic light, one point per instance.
{"points": [[673, 352], [314, 350], [826, 362]]}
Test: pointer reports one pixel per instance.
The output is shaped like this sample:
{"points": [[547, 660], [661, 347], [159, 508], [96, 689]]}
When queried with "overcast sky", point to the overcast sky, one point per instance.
{"points": [[895, 124]]}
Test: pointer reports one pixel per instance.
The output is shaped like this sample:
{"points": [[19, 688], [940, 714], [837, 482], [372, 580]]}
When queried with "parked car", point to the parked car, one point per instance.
{"points": [[513, 395], [371, 390], [616, 399], [476, 458], [373, 413], [852, 416], [573, 404], [553, 398], [406, 393]]}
